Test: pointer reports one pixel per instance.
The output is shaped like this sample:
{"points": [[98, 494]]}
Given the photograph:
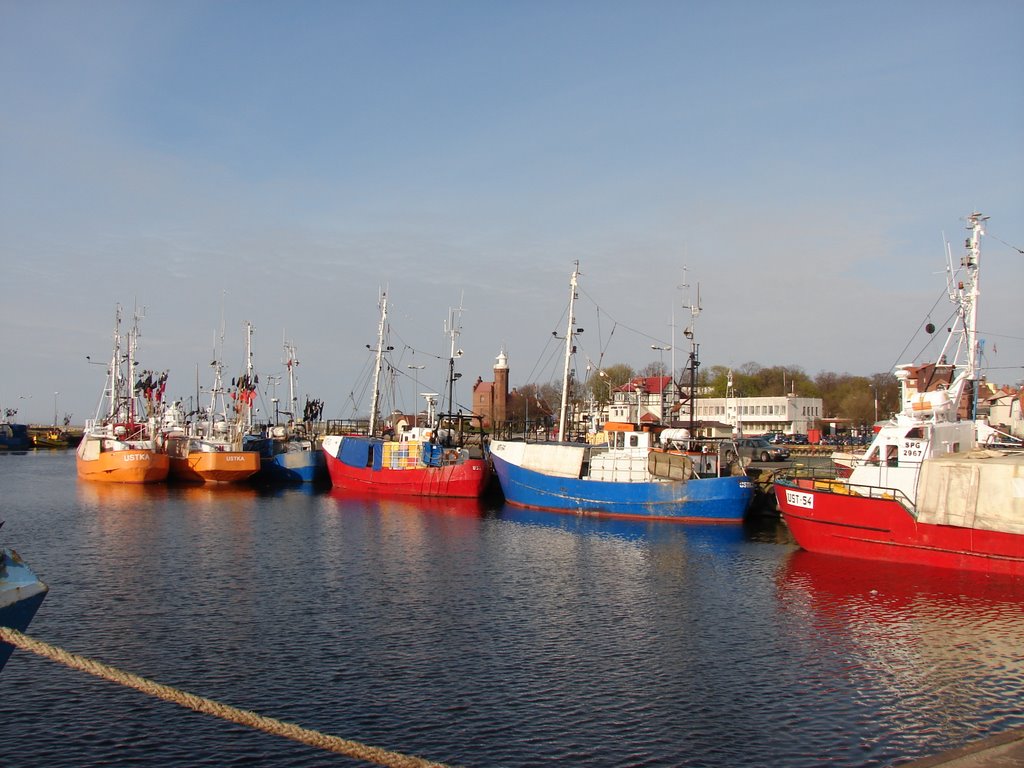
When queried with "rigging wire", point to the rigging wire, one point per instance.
{"points": [[1008, 245]]}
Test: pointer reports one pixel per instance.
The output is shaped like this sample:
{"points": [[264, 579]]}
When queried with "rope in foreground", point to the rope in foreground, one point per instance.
{"points": [[208, 706]]}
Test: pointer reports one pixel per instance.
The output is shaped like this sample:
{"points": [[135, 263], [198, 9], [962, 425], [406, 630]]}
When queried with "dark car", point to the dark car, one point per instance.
{"points": [[759, 449]]}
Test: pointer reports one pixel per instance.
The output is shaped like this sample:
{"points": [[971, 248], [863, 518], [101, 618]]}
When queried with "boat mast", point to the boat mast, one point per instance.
{"points": [[289, 351], [218, 385], [113, 388], [249, 379], [964, 294], [694, 363], [569, 349], [133, 343], [453, 330], [973, 264], [379, 362]]}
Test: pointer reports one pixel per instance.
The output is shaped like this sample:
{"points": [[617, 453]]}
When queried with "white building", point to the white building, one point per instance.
{"points": [[757, 415], [644, 399], [1006, 411]]}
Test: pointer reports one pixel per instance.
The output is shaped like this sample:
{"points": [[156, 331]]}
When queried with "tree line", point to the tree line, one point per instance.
{"points": [[861, 399]]}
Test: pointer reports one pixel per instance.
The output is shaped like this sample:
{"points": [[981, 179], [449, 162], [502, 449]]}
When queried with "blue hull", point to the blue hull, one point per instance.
{"points": [[14, 437], [718, 499], [295, 467], [21, 594], [286, 462]]}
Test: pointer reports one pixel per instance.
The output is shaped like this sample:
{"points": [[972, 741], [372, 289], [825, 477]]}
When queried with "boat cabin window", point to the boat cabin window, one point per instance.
{"points": [[891, 454], [915, 432], [634, 441]]}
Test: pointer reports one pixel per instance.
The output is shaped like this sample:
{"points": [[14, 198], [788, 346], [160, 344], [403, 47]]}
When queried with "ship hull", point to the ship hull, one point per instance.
{"points": [[215, 467], [716, 499], [466, 480], [824, 521], [14, 437], [359, 467], [294, 467], [135, 465], [288, 462]]}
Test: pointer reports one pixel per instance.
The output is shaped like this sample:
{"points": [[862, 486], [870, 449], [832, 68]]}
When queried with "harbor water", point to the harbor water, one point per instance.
{"points": [[482, 635]]}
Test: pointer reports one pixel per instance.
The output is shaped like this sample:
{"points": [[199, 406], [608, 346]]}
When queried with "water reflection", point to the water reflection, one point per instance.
{"points": [[945, 643], [457, 507], [123, 497], [723, 535], [832, 584], [285, 490]]}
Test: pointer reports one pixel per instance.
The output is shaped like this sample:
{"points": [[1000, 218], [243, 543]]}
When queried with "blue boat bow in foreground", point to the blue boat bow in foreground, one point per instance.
{"points": [[21, 594]]}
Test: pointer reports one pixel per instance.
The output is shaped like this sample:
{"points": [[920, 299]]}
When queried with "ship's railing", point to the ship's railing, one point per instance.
{"points": [[534, 431], [825, 479], [343, 427]]}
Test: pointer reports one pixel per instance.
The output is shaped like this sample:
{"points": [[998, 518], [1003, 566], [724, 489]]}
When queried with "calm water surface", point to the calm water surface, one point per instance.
{"points": [[482, 635]]}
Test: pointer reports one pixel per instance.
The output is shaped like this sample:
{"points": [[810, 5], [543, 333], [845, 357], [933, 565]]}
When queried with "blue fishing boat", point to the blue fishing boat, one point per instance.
{"points": [[291, 452], [629, 477], [288, 456], [638, 473], [21, 594], [13, 437]]}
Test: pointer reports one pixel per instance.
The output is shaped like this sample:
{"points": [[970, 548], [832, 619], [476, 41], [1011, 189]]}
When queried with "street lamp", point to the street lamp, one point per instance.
{"points": [[661, 357], [416, 389]]}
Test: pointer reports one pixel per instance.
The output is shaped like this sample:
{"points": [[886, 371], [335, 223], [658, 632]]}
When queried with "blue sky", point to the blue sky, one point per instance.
{"points": [[280, 163]]}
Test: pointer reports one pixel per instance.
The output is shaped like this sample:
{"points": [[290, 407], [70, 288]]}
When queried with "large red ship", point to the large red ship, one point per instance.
{"points": [[926, 490]]}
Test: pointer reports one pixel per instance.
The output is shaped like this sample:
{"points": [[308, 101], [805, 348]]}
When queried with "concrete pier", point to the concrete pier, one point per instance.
{"points": [[1004, 750]]}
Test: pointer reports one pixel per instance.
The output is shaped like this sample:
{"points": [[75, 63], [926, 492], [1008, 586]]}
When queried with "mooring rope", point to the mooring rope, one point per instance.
{"points": [[208, 706]]}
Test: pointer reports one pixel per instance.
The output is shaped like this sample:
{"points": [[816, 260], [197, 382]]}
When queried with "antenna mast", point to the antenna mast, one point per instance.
{"points": [[379, 362], [453, 327], [694, 361], [569, 349]]}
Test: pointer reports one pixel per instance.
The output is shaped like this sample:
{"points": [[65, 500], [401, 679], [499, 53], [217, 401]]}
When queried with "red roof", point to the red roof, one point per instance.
{"points": [[650, 384]]}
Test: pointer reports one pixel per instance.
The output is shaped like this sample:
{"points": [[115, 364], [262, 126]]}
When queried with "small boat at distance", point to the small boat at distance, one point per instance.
{"points": [[13, 437]]}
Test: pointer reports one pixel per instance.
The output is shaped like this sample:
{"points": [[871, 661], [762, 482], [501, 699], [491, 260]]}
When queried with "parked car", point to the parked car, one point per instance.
{"points": [[759, 449]]}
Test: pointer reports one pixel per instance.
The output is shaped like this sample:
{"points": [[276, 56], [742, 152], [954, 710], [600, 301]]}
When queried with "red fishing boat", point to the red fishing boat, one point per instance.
{"points": [[926, 490], [415, 461]]}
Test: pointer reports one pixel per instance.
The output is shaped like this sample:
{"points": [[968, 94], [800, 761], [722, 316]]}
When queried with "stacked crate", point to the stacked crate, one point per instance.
{"points": [[404, 455]]}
